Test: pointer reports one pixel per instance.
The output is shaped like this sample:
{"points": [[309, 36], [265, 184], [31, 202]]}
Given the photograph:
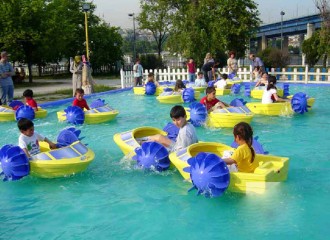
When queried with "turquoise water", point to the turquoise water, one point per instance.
{"points": [[113, 200]]}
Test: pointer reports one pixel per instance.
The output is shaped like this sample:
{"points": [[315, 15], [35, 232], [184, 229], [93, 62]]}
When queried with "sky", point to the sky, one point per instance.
{"points": [[116, 12]]}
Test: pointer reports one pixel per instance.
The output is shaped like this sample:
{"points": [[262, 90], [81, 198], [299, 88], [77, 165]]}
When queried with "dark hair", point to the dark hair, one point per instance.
{"points": [[231, 52], [177, 111], [224, 76], [199, 73], [210, 90], [271, 82], [245, 132], [151, 74], [24, 124], [28, 93], [179, 85], [79, 90]]}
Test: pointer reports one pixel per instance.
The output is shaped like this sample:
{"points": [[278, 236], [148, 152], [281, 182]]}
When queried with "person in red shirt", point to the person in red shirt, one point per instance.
{"points": [[191, 67], [210, 101], [29, 101], [79, 100]]}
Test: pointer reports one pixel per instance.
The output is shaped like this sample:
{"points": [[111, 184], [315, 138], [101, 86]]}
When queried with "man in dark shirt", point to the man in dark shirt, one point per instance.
{"points": [[209, 66]]}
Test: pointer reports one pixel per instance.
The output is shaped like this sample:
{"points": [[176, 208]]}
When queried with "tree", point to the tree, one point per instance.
{"points": [[312, 49], [215, 26], [155, 16], [324, 35], [274, 57]]}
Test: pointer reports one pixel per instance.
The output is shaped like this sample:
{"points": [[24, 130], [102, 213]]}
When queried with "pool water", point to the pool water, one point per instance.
{"points": [[114, 200]]}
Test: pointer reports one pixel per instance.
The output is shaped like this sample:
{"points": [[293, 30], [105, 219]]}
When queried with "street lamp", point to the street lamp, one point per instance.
{"points": [[133, 15], [282, 14], [86, 7]]}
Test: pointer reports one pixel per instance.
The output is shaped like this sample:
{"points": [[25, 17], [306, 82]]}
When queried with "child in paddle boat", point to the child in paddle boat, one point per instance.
{"points": [[187, 133], [151, 78], [29, 139], [179, 86], [200, 81], [263, 81], [79, 100], [211, 102], [222, 83], [270, 94], [244, 155], [29, 101]]}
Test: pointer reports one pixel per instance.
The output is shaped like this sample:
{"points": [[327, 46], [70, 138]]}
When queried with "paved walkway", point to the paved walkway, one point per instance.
{"points": [[60, 84]]}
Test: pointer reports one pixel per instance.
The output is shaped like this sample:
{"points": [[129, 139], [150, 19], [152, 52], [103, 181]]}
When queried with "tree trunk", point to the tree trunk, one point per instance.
{"points": [[30, 71], [325, 60]]}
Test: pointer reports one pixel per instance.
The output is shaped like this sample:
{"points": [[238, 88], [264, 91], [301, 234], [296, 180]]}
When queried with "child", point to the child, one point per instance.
{"points": [[222, 83], [187, 134], [29, 139], [191, 68], [244, 155], [263, 81], [270, 94], [151, 78], [29, 101], [200, 81], [179, 86], [210, 101], [79, 101]]}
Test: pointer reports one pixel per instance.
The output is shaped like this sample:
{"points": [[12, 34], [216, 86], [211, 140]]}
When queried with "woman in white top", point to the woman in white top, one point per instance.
{"points": [[270, 94]]}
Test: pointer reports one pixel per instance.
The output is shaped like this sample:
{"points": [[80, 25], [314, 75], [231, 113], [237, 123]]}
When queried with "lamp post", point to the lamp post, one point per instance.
{"points": [[282, 14], [86, 8], [133, 15]]}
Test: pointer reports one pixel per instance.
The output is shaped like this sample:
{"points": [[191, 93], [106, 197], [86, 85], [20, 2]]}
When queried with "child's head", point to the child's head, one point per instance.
{"points": [[231, 54], [271, 82], [200, 75], [26, 127], [210, 93], [190, 60], [224, 76], [179, 85], [28, 93], [151, 76], [79, 93], [244, 132], [178, 115]]}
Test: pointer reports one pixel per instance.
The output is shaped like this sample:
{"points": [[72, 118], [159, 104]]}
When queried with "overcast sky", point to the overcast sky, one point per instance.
{"points": [[116, 12]]}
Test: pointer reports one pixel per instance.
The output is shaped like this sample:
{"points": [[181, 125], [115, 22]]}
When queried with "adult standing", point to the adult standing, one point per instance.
{"points": [[6, 81], [138, 72], [191, 67], [256, 62], [76, 67], [209, 66], [232, 64]]}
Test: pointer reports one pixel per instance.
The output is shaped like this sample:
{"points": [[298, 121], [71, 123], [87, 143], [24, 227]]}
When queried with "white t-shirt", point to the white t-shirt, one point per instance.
{"points": [[138, 70], [187, 136], [200, 82], [31, 143], [267, 96], [221, 84]]}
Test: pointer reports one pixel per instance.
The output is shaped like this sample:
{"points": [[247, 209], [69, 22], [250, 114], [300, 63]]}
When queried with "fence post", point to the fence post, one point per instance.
{"points": [[306, 74], [122, 74], [251, 70], [317, 75], [295, 74]]}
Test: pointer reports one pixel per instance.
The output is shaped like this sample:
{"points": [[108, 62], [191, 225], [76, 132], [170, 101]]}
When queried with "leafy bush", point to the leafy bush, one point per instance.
{"points": [[274, 58]]}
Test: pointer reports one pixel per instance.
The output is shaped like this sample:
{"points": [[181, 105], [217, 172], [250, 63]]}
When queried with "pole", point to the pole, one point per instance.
{"points": [[282, 14], [86, 30], [134, 38]]}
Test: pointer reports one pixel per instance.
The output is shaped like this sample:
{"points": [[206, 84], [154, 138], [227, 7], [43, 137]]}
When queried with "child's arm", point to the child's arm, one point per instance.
{"points": [[51, 144], [278, 99], [26, 152], [229, 161]]}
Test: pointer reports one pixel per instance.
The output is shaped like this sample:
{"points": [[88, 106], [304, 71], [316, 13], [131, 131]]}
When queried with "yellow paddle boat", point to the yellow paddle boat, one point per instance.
{"points": [[175, 97], [94, 115], [226, 117], [277, 108], [257, 92], [222, 91], [8, 114], [199, 89], [142, 90], [271, 168], [128, 141], [61, 162]]}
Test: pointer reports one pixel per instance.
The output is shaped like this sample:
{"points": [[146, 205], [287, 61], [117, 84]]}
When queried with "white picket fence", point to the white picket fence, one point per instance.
{"points": [[293, 75]]}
